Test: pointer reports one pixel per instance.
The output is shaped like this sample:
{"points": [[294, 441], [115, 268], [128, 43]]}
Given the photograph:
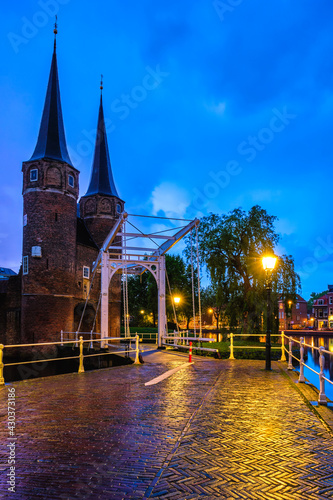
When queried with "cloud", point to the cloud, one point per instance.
{"points": [[218, 109], [169, 199]]}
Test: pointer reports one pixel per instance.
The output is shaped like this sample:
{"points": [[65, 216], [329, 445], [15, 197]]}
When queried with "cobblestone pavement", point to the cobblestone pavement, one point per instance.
{"points": [[215, 429]]}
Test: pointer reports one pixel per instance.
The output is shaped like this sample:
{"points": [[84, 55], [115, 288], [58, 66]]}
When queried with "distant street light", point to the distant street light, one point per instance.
{"points": [[268, 265], [142, 311], [176, 300]]}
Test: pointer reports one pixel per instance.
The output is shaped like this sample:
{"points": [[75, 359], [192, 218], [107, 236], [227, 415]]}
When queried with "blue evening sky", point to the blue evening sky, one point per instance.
{"points": [[210, 105]]}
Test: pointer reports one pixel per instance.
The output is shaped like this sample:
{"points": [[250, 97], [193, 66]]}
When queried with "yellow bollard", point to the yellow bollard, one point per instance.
{"points": [[283, 354], [231, 346], [137, 361], [81, 367], [2, 380]]}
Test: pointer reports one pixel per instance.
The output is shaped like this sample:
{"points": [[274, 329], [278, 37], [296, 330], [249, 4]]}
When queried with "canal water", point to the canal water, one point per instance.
{"points": [[311, 358]]}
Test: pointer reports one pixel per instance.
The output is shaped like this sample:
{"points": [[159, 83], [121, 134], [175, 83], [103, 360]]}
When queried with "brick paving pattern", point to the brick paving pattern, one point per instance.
{"points": [[218, 429]]}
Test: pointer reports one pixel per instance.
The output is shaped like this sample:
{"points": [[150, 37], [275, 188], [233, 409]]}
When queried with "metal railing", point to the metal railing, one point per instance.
{"points": [[80, 357], [185, 339], [145, 336], [322, 399], [231, 336], [74, 336]]}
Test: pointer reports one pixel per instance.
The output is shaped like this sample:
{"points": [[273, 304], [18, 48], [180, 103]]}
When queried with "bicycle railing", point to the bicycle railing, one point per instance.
{"points": [[232, 346], [80, 357], [322, 399]]}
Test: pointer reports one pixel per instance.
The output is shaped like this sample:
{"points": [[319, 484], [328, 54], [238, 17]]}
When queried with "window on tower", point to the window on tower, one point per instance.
{"points": [[118, 208], [86, 272], [33, 174], [71, 181], [25, 265]]}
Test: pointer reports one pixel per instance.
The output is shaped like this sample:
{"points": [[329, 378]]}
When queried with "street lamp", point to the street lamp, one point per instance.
{"points": [[268, 265], [176, 300]]}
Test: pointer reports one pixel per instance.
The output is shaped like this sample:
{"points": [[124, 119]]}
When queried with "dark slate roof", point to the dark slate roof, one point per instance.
{"points": [[51, 143], [5, 273], [101, 181], [83, 237]]}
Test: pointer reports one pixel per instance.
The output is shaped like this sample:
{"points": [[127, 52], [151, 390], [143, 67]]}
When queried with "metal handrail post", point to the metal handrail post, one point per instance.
{"points": [[322, 396], [283, 354], [137, 360], [91, 342], [301, 361], [81, 367], [231, 346], [76, 337], [2, 380], [290, 359]]}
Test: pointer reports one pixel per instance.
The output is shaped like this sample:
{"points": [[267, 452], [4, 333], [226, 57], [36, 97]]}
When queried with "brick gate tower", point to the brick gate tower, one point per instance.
{"points": [[100, 207], [50, 192]]}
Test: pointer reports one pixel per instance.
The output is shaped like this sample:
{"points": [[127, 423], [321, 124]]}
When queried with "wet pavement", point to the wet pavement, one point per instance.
{"points": [[215, 429]]}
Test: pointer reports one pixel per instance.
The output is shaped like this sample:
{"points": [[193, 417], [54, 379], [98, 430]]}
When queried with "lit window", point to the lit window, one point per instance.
{"points": [[71, 181], [33, 174], [118, 208], [25, 265], [86, 272]]}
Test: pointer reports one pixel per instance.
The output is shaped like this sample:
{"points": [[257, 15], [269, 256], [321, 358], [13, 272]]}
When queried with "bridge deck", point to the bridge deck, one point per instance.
{"points": [[217, 429]]}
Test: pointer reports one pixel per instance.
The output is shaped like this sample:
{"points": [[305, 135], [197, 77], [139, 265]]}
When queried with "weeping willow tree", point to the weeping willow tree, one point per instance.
{"points": [[231, 247]]}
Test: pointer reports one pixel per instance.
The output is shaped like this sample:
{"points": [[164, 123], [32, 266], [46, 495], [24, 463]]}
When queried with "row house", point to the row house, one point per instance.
{"points": [[322, 310], [293, 317]]}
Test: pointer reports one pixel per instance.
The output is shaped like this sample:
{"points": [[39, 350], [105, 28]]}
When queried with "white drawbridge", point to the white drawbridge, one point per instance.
{"points": [[117, 256]]}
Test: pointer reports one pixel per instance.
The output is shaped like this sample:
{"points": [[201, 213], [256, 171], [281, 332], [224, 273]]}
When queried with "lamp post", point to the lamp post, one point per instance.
{"points": [[268, 264]]}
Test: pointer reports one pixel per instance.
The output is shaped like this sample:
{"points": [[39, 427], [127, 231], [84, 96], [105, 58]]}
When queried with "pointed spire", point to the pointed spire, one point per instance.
{"points": [[51, 142], [101, 181]]}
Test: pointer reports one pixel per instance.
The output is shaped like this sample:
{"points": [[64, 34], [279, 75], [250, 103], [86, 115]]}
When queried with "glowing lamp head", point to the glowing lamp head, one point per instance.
{"points": [[210, 310], [176, 300], [142, 311], [269, 263]]}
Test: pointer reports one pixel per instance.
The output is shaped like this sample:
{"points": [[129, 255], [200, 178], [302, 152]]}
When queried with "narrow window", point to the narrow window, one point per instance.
{"points": [[33, 174], [71, 181], [25, 220], [118, 208], [86, 272], [25, 265], [56, 216], [47, 263]]}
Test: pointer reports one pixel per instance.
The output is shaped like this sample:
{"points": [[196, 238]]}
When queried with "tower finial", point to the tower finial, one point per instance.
{"points": [[55, 31], [101, 87]]}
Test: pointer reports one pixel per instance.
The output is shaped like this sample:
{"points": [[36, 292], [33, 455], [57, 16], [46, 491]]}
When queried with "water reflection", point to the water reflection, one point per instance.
{"points": [[312, 360]]}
